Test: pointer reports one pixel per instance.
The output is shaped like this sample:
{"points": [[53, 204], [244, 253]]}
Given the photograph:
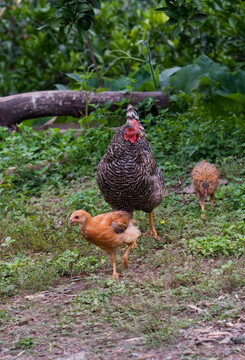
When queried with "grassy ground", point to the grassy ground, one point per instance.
{"points": [[182, 297]]}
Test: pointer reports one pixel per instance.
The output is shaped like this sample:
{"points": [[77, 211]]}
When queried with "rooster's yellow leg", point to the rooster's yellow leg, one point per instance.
{"points": [[151, 231]]}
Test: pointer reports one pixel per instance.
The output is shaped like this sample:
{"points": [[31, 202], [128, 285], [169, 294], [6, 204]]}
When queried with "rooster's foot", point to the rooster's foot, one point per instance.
{"points": [[151, 233]]}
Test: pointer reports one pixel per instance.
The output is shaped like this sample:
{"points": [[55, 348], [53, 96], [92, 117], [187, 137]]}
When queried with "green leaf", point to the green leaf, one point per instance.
{"points": [[118, 84], [83, 8], [165, 75], [205, 81], [233, 102], [171, 22], [83, 25], [232, 22], [200, 17], [207, 65], [176, 32], [95, 3], [173, 14], [162, 9], [231, 83], [180, 2], [61, 34], [61, 87], [187, 78], [141, 77], [76, 77]]}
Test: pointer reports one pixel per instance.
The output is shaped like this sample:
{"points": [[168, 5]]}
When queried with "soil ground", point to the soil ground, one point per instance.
{"points": [[39, 316]]}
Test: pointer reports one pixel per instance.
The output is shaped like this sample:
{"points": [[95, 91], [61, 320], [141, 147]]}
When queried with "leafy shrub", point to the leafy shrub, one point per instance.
{"points": [[71, 263], [117, 40], [223, 91], [233, 196], [230, 241], [62, 156], [27, 53]]}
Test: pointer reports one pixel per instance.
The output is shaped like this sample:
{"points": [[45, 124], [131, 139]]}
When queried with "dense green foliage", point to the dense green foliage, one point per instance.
{"points": [[119, 37]]}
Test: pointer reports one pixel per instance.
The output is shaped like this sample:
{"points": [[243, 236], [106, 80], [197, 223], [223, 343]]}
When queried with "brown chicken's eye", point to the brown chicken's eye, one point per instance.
{"points": [[77, 217]]}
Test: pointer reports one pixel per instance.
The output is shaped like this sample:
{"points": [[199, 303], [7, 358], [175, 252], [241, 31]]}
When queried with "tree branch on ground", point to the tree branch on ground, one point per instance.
{"points": [[16, 108]]}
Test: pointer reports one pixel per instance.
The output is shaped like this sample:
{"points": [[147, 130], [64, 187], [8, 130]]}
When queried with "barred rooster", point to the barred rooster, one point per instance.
{"points": [[127, 175], [205, 180]]}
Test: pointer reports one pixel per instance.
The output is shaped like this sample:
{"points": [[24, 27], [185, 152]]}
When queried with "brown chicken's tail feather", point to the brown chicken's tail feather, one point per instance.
{"points": [[132, 234]]}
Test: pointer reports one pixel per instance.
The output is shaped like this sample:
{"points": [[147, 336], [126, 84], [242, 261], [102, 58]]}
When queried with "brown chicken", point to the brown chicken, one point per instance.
{"points": [[108, 231], [127, 175], [205, 181]]}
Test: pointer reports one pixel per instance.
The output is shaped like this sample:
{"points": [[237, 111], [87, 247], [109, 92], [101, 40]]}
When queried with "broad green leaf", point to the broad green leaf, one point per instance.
{"points": [[231, 83], [118, 84], [187, 78], [207, 65], [141, 77], [165, 75], [233, 102]]}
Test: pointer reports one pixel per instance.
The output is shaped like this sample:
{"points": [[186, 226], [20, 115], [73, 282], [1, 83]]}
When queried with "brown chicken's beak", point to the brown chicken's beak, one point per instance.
{"points": [[70, 221]]}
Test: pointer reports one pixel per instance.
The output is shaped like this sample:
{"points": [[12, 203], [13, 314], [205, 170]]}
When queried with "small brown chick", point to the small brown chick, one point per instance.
{"points": [[205, 181], [108, 231]]}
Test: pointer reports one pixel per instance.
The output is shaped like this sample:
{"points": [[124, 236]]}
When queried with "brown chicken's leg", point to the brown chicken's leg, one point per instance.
{"points": [[112, 257], [125, 255], [151, 231], [115, 274], [201, 201], [212, 201]]}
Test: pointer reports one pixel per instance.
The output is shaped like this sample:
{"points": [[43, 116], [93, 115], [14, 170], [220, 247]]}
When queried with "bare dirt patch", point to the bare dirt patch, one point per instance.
{"points": [[56, 330]]}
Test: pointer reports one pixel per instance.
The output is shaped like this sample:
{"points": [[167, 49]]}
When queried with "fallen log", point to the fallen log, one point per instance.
{"points": [[16, 108]]}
